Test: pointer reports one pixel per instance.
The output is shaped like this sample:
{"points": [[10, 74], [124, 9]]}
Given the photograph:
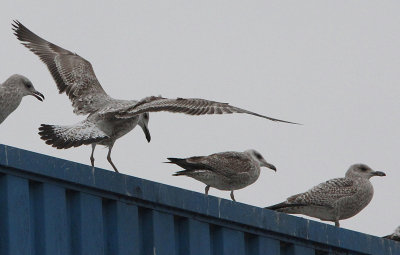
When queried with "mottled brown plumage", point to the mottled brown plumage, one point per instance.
{"points": [[191, 106], [109, 118], [336, 199], [225, 170], [73, 74]]}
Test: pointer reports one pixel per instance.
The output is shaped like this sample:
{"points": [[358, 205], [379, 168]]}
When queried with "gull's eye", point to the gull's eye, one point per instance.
{"points": [[363, 169], [28, 85], [258, 156]]}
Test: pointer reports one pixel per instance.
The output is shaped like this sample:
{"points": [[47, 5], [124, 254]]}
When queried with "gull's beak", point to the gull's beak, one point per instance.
{"points": [[378, 173], [270, 166], [38, 95], [146, 132]]}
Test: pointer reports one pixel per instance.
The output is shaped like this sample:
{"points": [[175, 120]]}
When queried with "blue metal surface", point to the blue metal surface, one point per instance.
{"points": [[53, 206]]}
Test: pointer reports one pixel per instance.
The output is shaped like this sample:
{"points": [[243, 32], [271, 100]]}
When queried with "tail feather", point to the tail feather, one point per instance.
{"points": [[182, 162], [64, 137], [188, 163], [175, 160]]}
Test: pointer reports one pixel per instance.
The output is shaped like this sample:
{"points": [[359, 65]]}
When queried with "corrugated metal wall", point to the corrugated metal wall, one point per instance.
{"points": [[52, 206]]}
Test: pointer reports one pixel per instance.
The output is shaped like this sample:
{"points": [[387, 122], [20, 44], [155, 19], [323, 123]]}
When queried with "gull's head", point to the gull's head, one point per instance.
{"points": [[362, 171], [24, 86], [260, 159], [144, 124]]}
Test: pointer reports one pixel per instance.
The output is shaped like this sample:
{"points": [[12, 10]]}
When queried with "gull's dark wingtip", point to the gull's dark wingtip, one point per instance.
{"points": [[283, 206], [293, 123], [285, 121], [17, 28], [240, 110], [16, 25]]}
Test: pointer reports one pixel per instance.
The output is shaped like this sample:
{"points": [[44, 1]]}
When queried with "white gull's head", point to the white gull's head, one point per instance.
{"points": [[362, 171], [23, 86], [260, 159]]}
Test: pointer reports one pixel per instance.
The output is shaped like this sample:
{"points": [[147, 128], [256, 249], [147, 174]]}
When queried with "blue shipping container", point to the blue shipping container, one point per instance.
{"points": [[53, 206]]}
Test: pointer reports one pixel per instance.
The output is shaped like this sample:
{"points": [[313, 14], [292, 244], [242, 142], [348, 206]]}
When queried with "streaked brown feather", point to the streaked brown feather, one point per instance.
{"points": [[73, 74]]}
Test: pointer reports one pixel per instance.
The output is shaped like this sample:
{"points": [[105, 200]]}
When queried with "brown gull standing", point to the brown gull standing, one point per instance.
{"points": [[11, 93], [336, 199], [225, 170], [395, 236], [109, 118]]}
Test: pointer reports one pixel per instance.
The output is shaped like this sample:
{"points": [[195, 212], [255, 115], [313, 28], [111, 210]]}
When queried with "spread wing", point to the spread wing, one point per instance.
{"points": [[73, 74], [326, 193], [191, 106]]}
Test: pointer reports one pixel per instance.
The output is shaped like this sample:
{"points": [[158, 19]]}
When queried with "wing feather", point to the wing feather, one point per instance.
{"points": [[191, 106], [224, 163], [73, 74], [326, 193]]}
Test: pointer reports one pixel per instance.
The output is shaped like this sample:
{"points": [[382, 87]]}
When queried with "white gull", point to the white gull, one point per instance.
{"points": [[225, 170], [109, 118], [336, 199]]}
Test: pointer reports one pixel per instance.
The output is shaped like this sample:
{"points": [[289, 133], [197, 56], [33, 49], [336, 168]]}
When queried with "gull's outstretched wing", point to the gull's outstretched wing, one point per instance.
{"points": [[191, 106], [73, 74]]}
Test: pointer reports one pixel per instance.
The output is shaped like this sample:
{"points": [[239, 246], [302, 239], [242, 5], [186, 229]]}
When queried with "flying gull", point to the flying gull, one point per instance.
{"points": [[11, 93], [225, 170], [336, 199], [395, 236], [109, 118]]}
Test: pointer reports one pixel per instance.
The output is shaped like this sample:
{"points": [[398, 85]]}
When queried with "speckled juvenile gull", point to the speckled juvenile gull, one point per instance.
{"points": [[395, 236], [336, 199], [225, 170], [11, 93], [109, 118]]}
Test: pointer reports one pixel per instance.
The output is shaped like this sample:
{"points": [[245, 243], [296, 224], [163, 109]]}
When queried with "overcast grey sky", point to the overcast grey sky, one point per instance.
{"points": [[332, 66]]}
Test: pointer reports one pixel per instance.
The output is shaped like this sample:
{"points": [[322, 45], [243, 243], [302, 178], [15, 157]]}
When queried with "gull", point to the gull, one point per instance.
{"points": [[395, 236], [336, 199], [108, 118], [225, 170], [11, 93]]}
